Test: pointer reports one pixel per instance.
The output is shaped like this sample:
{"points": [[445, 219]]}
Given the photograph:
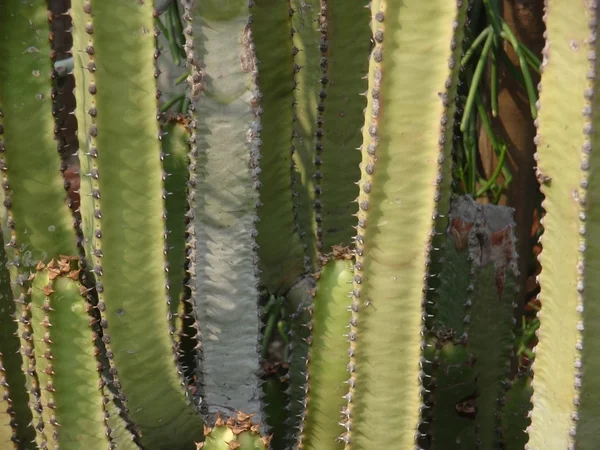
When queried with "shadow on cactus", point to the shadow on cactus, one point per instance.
{"points": [[266, 251]]}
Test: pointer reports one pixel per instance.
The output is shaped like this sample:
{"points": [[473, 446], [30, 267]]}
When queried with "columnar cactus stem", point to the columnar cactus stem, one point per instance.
{"points": [[307, 73], [566, 384], [344, 45], [123, 218], [74, 407], [15, 415], [31, 169], [327, 356], [491, 244], [224, 192], [280, 249], [407, 139]]}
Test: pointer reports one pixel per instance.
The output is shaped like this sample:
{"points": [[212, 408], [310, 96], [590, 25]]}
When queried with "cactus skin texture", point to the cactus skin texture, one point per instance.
{"points": [[15, 415], [566, 385], [226, 153], [280, 248], [133, 322], [398, 198], [122, 214], [66, 359], [328, 355]]}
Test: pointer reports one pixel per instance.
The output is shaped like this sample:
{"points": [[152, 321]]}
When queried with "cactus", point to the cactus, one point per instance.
{"points": [[565, 388], [218, 173]]}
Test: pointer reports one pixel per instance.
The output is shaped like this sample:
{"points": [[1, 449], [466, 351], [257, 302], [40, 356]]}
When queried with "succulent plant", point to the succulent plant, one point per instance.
{"points": [[235, 185]]}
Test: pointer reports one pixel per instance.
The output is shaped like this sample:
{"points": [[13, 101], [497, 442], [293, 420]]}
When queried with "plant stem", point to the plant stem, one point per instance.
{"points": [[475, 81]]}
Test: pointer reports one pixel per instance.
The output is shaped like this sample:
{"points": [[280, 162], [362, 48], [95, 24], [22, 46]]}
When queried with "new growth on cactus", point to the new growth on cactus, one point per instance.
{"points": [[268, 250]]}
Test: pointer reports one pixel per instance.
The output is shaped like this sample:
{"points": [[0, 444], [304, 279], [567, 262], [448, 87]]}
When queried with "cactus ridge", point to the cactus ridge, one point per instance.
{"points": [[16, 416], [344, 45], [30, 172], [226, 129], [126, 180], [327, 355], [565, 387], [279, 246], [61, 325], [305, 51], [372, 307]]}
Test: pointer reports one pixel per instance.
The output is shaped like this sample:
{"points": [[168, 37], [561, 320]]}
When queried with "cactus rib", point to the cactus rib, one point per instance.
{"points": [[280, 249], [66, 363], [30, 165], [123, 219], [344, 45], [15, 414], [405, 158], [226, 147], [327, 356], [305, 40], [566, 386]]}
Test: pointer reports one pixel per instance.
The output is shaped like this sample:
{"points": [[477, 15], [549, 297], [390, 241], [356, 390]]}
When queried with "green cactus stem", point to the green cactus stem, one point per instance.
{"points": [[31, 167], [566, 383], [305, 23], [407, 140], [327, 356], [453, 375], [474, 307], [515, 412], [344, 45], [492, 296], [15, 415], [223, 196], [175, 146], [300, 304], [280, 248], [67, 367], [123, 218]]}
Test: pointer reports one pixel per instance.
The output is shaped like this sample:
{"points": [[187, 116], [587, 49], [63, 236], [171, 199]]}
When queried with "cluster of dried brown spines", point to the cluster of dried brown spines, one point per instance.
{"points": [[579, 195], [241, 424]]}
